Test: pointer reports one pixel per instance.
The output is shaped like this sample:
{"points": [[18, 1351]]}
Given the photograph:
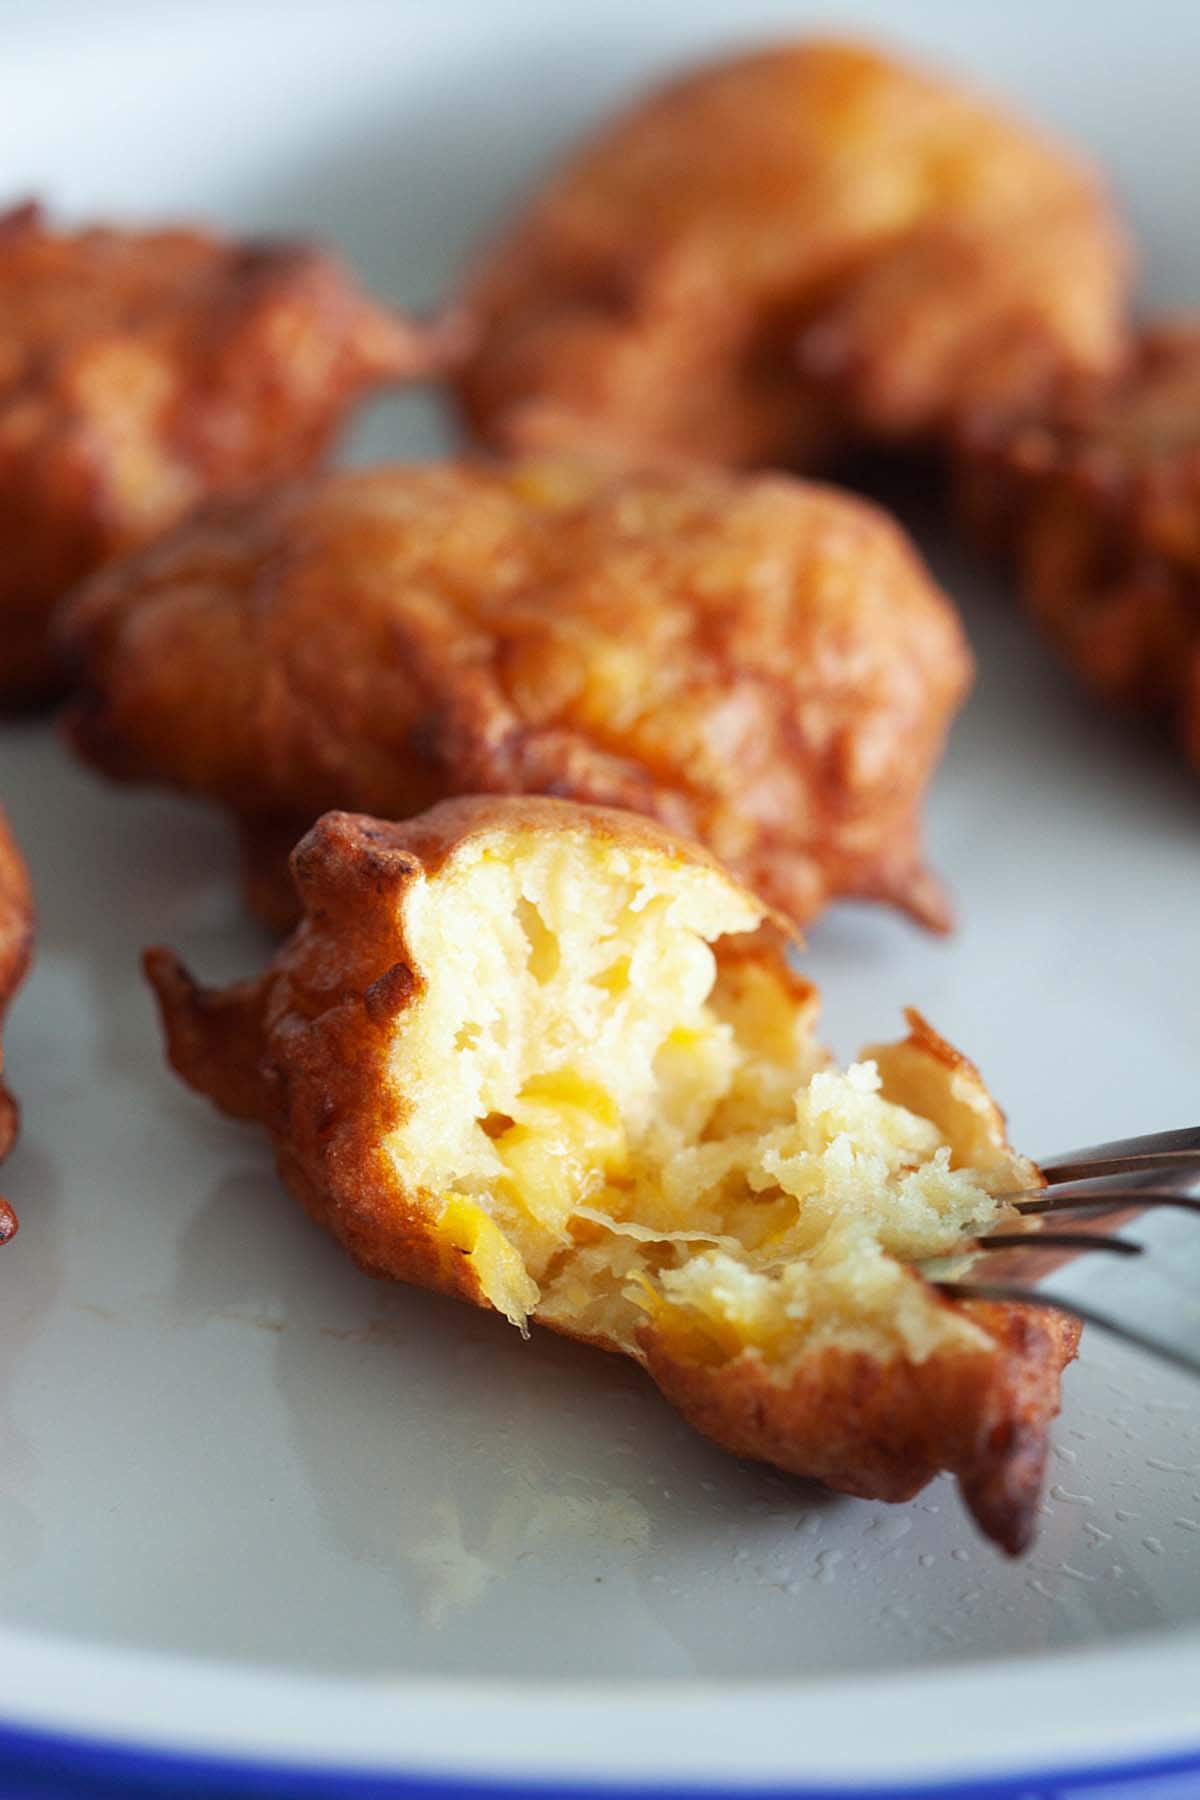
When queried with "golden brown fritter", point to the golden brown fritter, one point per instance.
{"points": [[757, 662], [551, 1060], [142, 371], [1098, 504], [16, 944], [786, 252]]}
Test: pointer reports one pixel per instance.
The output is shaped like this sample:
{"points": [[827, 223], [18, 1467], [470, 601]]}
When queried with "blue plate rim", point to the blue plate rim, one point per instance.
{"points": [[63, 1766]]}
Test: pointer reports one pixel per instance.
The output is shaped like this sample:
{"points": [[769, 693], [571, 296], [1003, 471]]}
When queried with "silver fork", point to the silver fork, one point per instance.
{"points": [[1148, 1294]]}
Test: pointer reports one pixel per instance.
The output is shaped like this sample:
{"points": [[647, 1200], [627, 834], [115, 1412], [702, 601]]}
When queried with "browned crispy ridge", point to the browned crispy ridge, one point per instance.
{"points": [[881, 1430], [1098, 503], [305, 1051], [759, 662], [142, 371], [786, 251], [16, 944]]}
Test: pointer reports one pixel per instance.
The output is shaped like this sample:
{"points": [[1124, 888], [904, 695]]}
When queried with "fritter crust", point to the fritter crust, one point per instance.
{"points": [[1097, 502], [142, 371], [306, 1051], [16, 947], [883, 1430], [760, 663], [788, 251]]}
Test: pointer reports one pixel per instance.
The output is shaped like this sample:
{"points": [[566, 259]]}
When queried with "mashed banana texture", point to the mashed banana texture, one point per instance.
{"points": [[553, 1061]]}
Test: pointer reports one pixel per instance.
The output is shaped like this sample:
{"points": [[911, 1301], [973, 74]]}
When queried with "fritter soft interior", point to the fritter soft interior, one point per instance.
{"points": [[140, 372], [760, 663], [16, 944], [550, 1060], [786, 252], [1097, 501]]}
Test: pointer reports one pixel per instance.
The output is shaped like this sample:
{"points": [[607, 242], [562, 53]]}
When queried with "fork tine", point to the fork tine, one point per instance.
{"points": [[1064, 1245], [1103, 1200], [1057, 1240], [1169, 1347], [1148, 1306], [1157, 1150]]}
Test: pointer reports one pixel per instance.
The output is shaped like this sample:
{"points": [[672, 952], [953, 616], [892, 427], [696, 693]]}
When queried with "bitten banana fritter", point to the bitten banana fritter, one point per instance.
{"points": [[551, 1060]]}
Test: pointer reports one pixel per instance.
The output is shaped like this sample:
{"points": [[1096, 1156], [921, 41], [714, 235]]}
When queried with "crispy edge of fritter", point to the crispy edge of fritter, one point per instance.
{"points": [[882, 1430], [16, 951]]}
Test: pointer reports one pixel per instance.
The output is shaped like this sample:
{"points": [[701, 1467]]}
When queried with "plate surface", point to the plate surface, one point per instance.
{"points": [[252, 1504]]}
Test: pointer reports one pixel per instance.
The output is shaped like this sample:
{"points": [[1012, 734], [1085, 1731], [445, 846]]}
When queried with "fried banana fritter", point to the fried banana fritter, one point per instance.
{"points": [[1098, 504], [142, 371], [551, 1060], [787, 252], [756, 662], [16, 944]]}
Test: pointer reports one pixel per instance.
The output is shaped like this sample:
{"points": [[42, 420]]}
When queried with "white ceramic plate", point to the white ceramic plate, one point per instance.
{"points": [[257, 1509]]}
